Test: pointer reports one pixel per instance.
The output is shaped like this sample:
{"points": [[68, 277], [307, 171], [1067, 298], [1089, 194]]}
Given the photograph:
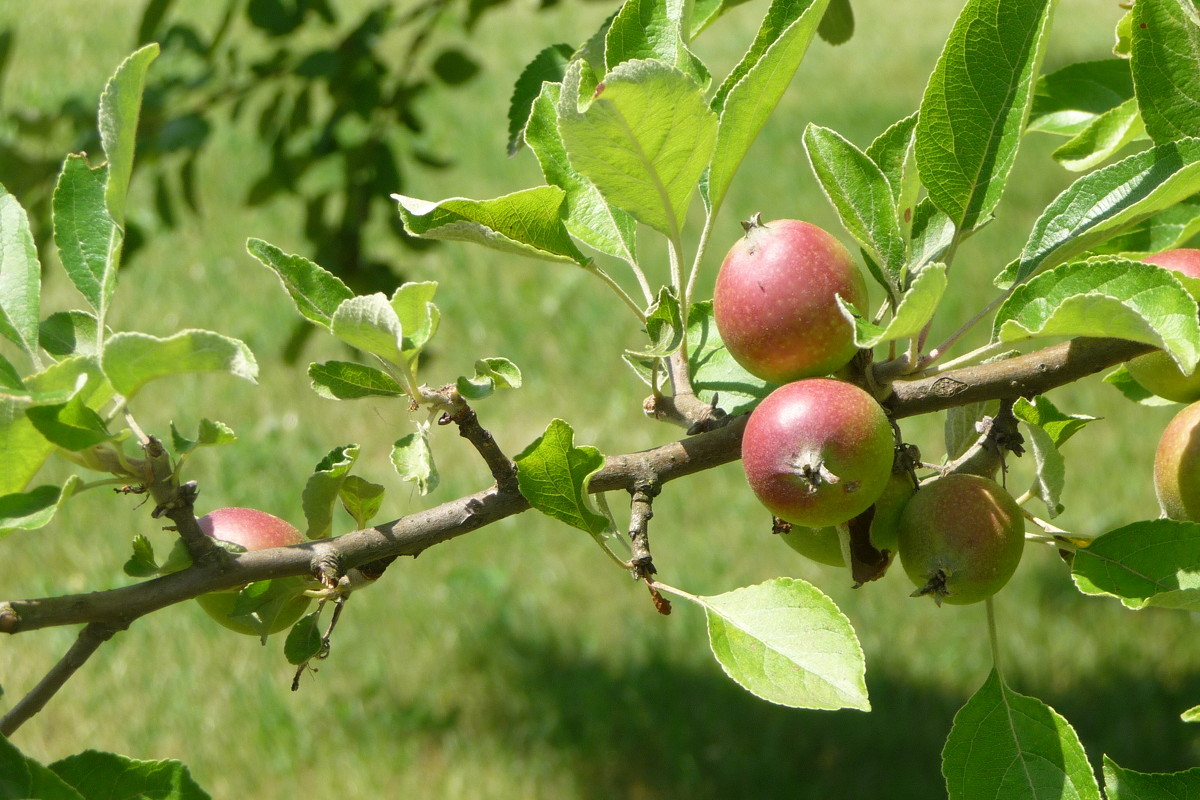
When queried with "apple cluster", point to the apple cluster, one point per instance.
{"points": [[820, 453]]}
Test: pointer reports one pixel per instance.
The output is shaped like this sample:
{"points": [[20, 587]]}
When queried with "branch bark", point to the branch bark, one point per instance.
{"points": [[1025, 375]]}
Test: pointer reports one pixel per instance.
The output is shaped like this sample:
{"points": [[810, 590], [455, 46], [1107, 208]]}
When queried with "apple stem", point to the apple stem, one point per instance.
{"points": [[993, 637]]}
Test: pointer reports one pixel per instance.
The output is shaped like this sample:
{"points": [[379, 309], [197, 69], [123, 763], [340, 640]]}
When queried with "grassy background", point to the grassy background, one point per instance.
{"points": [[509, 664]]}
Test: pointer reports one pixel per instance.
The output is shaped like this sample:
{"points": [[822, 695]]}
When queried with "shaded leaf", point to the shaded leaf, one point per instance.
{"points": [[34, 509], [361, 499], [550, 64], [344, 380], [916, 308], [1102, 138], [68, 333], [1151, 563], [304, 640], [141, 564], [1125, 784], [1069, 99], [322, 487], [412, 457], [1127, 385]]}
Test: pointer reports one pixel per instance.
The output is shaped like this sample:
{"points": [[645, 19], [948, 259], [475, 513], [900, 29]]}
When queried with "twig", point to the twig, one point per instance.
{"points": [[88, 642]]}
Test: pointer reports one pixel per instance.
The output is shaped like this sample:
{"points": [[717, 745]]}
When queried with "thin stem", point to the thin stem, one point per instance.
{"points": [[993, 637], [88, 642], [621, 293], [936, 353], [974, 356], [700, 250]]}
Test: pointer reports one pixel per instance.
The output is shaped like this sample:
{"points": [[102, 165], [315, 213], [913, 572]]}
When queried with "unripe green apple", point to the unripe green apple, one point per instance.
{"points": [[822, 545], [1177, 466], [961, 538], [774, 301], [817, 452], [255, 530], [1156, 372]]}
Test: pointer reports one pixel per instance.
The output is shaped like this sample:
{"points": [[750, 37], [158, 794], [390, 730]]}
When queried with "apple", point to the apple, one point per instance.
{"points": [[818, 452], [283, 601], [960, 538], [1156, 372], [822, 545], [1177, 466], [774, 301]]}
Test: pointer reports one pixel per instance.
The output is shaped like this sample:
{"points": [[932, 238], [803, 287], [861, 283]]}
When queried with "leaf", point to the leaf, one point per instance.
{"points": [[644, 139], [1103, 203], [706, 12], [87, 237], [361, 499], [108, 776], [321, 489], [141, 564], [70, 425], [69, 333], [1124, 784], [1103, 137], [1105, 296], [915, 310], [20, 277], [747, 97], [1006, 745], [528, 222], [1066, 101], [316, 292], [1151, 563], [960, 429], [304, 640], [550, 64], [862, 196], [209, 433], [1127, 385], [22, 777], [34, 509], [120, 107], [344, 380], [1191, 715], [1165, 230], [893, 152], [715, 373], [837, 23], [664, 326], [553, 475], [786, 642], [369, 323], [419, 317], [932, 235], [1050, 469], [412, 457], [131, 360], [490, 374], [1166, 71], [653, 29], [590, 218], [975, 105], [1044, 414]]}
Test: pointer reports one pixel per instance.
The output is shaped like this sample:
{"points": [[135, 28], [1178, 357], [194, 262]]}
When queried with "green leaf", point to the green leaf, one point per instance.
{"points": [[975, 105], [131, 360], [716, 376], [1100, 140], [34, 509], [258, 605], [209, 433], [1007, 745], [893, 152], [550, 64], [1127, 385], [9, 377], [69, 333], [70, 425], [1165, 230], [915, 310], [1066, 101], [369, 323], [361, 499], [1166, 70], [590, 218], [141, 564], [1191, 715], [108, 776], [419, 317], [932, 235], [1044, 414], [644, 139], [837, 23], [316, 292], [653, 29], [1103, 203], [344, 380], [1151, 563], [1124, 784], [960, 429], [528, 222], [1050, 467], [20, 277], [1105, 296], [786, 642], [120, 107], [490, 374], [304, 641], [22, 777], [862, 196], [87, 238], [321, 489], [749, 94], [553, 475], [664, 326], [412, 457]]}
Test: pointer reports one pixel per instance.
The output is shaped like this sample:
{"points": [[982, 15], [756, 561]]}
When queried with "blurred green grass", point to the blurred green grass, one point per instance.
{"points": [[507, 664]]}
